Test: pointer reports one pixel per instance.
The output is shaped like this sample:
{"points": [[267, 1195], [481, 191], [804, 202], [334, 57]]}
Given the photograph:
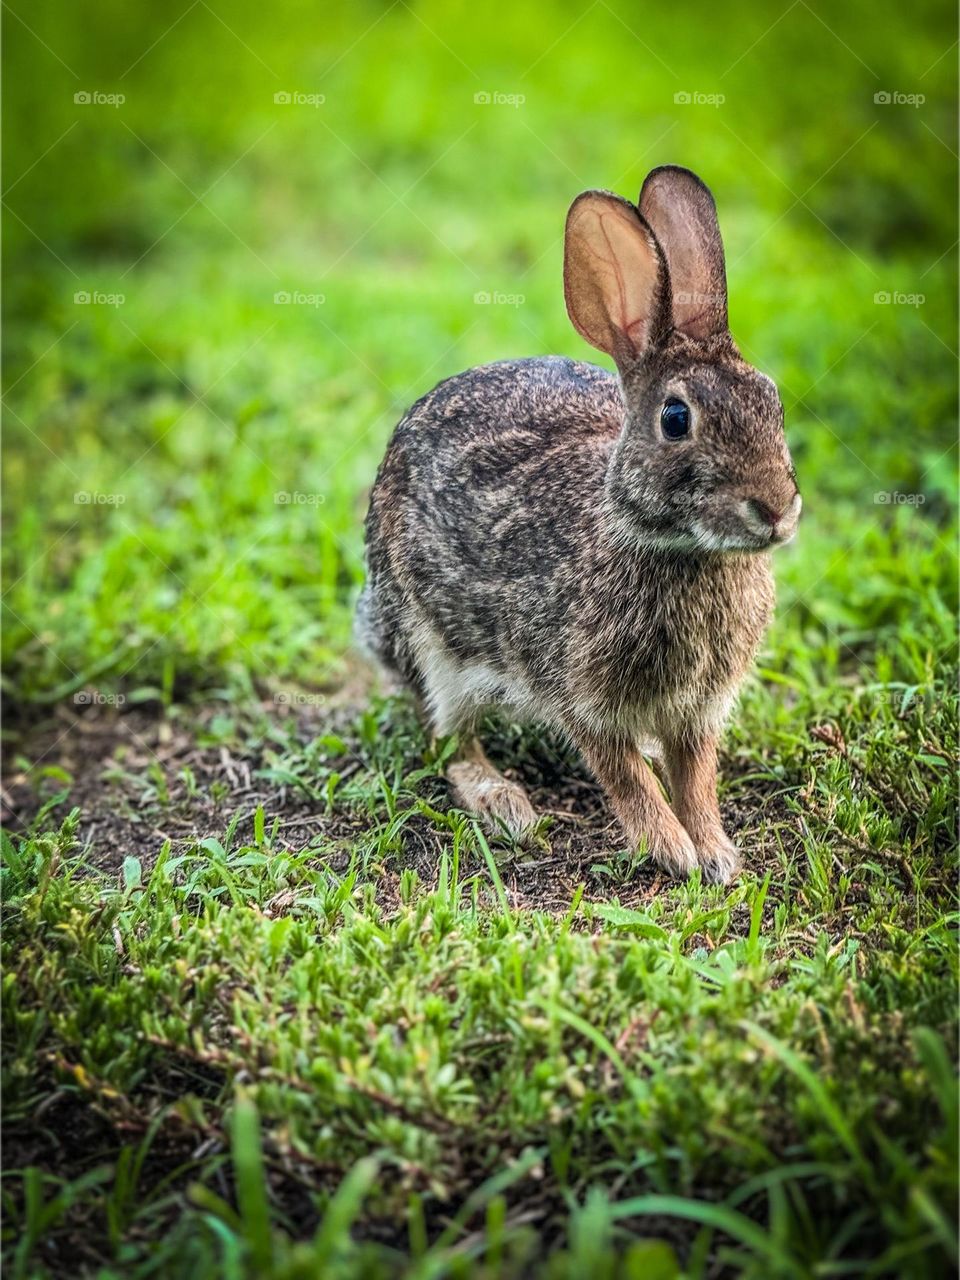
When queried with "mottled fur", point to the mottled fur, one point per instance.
{"points": [[534, 542]]}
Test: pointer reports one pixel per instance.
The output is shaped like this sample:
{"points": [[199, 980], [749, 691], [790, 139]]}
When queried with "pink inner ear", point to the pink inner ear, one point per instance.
{"points": [[612, 275], [634, 272]]}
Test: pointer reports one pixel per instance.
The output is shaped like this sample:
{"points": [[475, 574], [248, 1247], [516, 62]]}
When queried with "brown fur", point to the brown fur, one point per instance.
{"points": [[535, 540]]}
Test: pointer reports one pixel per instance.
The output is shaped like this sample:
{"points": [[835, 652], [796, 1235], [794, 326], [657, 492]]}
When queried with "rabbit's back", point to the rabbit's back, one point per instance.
{"points": [[481, 515], [494, 433]]}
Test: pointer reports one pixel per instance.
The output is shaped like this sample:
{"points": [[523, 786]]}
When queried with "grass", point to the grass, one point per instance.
{"points": [[363, 1046], [350, 1045], [270, 1006]]}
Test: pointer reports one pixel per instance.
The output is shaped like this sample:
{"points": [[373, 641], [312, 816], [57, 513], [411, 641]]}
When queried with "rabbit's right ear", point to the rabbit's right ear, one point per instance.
{"points": [[679, 209], [614, 277]]}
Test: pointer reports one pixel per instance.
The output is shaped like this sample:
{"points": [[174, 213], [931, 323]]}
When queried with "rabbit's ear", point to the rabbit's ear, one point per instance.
{"points": [[680, 211], [614, 278]]}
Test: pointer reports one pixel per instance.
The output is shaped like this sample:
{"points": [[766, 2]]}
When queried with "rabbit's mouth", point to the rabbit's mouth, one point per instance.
{"points": [[751, 525]]}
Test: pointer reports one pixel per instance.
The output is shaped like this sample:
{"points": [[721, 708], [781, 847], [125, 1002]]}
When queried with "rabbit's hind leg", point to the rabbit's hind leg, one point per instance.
{"points": [[455, 694], [479, 788]]}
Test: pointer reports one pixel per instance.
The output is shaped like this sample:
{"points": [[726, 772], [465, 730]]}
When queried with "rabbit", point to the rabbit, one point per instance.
{"points": [[590, 551]]}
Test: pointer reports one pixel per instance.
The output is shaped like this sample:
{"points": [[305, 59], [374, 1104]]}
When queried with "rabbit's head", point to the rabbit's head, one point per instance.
{"points": [[702, 462]]}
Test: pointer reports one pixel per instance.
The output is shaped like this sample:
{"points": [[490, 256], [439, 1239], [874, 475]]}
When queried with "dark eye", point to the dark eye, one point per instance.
{"points": [[675, 419]]}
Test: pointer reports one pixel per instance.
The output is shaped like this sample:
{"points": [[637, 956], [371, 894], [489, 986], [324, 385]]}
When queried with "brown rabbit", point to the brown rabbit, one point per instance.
{"points": [[591, 551]]}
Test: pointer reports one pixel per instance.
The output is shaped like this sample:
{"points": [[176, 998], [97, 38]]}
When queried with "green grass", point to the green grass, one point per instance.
{"points": [[441, 1062], [240, 1043]]}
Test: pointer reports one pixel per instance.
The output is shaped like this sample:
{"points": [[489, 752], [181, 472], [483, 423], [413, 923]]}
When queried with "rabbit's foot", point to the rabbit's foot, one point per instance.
{"points": [[497, 802], [671, 848], [719, 858]]}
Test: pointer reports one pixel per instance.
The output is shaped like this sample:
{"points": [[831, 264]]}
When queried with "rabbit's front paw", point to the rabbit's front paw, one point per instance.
{"points": [[719, 859], [672, 850]]}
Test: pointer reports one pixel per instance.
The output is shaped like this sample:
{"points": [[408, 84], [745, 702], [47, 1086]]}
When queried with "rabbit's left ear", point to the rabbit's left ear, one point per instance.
{"points": [[614, 278], [679, 209]]}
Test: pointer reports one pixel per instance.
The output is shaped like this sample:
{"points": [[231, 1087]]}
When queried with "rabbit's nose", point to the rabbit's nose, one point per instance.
{"points": [[764, 519], [765, 513]]}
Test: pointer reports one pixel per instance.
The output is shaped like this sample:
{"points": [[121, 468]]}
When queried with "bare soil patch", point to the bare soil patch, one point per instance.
{"points": [[141, 778]]}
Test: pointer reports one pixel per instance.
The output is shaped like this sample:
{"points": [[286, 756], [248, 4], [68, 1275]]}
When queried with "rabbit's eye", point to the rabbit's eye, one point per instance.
{"points": [[675, 419]]}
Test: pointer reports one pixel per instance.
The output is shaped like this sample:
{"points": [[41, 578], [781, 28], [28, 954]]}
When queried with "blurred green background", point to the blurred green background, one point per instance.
{"points": [[186, 468], [240, 240]]}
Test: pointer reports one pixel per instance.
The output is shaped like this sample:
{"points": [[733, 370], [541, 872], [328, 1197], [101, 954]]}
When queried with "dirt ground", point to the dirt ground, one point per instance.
{"points": [[119, 760]]}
